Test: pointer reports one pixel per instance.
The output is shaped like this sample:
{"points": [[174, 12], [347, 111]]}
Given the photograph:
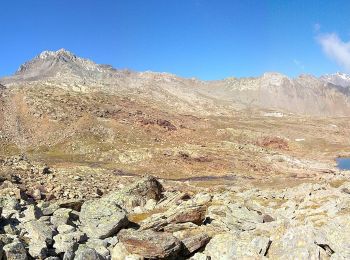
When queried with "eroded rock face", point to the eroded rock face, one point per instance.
{"points": [[150, 244]]}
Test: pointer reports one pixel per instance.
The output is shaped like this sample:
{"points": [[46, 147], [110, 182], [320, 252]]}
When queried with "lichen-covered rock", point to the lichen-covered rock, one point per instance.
{"points": [[295, 243], [87, 254], [150, 244], [100, 246], [234, 217], [229, 246], [9, 206], [61, 217], [101, 218], [15, 251], [40, 235], [68, 241]]}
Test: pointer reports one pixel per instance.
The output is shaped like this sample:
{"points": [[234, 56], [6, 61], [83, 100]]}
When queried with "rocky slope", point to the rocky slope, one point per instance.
{"points": [[303, 95]]}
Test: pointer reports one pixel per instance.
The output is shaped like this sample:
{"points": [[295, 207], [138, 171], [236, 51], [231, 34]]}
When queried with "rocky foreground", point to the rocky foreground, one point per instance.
{"points": [[146, 221]]}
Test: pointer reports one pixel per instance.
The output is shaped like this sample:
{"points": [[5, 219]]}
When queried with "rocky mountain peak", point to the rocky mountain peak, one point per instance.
{"points": [[338, 78], [61, 65], [61, 53]]}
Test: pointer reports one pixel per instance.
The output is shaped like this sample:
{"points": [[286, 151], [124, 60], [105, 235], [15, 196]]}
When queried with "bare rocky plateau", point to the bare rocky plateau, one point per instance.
{"points": [[100, 163]]}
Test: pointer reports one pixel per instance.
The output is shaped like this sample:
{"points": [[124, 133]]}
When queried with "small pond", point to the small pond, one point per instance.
{"points": [[343, 163]]}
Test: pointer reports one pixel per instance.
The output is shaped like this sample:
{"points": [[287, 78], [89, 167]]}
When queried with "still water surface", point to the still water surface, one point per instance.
{"points": [[343, 163]]}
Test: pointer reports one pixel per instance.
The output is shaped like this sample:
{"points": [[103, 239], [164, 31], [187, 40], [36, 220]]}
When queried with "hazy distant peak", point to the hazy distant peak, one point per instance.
{"points": [[274, 75], [338, 78], [274, 78]]}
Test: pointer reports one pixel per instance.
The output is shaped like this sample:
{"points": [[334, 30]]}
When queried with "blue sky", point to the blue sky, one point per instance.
{"points": [[206, 39]]}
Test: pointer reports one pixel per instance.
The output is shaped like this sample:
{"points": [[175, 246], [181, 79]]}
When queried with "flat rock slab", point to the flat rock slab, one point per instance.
{"points": [[101, 218], [150, 244]]}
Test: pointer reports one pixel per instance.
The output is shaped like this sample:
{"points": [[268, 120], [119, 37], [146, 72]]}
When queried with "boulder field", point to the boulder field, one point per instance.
{"points": [[146, 221]]}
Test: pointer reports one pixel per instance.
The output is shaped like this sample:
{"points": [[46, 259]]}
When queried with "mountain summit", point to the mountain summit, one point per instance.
{"points": [[60, 65]]}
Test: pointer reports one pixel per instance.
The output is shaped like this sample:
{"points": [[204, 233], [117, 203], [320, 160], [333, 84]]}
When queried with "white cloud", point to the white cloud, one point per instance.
{"points": [[336, 49]]}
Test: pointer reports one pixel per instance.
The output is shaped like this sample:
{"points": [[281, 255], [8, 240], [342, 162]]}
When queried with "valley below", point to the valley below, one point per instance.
{"points": [[98, 163]]}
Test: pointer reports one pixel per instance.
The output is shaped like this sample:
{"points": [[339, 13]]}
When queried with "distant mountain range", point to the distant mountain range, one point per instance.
{"points": [[324, 96]]}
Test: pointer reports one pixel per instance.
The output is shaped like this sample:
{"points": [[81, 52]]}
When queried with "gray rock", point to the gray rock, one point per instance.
{"points": [[100, 246], [31, 213], [48, 208], [234, 217], [9, 206], [61, 217], [64, 229], [101, 218], [87, 254], [15, 251], [229, 246], [336, 235], [295, 243], [69, 254], [199, 256], [40, 235], [66, 242], [39, 231], [38, 249]]}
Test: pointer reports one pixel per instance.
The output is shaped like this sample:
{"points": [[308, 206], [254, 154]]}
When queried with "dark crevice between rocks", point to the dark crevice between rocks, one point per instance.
{"points": [[268, 248], [326, 248]]}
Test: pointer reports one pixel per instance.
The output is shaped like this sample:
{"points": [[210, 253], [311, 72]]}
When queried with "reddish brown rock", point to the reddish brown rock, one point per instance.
{"points": [[194, 214], [150, 244]]}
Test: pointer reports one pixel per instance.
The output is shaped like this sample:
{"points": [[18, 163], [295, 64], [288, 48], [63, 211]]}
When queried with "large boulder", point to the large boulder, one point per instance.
{"points": [[40, 235], [228, 246], [234, 217], [296, 243], [176, 215], [137, 194], [102, 218], [150, 244], [335, 236]]}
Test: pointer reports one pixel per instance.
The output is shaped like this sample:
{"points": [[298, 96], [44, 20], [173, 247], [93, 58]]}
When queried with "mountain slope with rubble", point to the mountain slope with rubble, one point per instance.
{"points": [[244, 168]]}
